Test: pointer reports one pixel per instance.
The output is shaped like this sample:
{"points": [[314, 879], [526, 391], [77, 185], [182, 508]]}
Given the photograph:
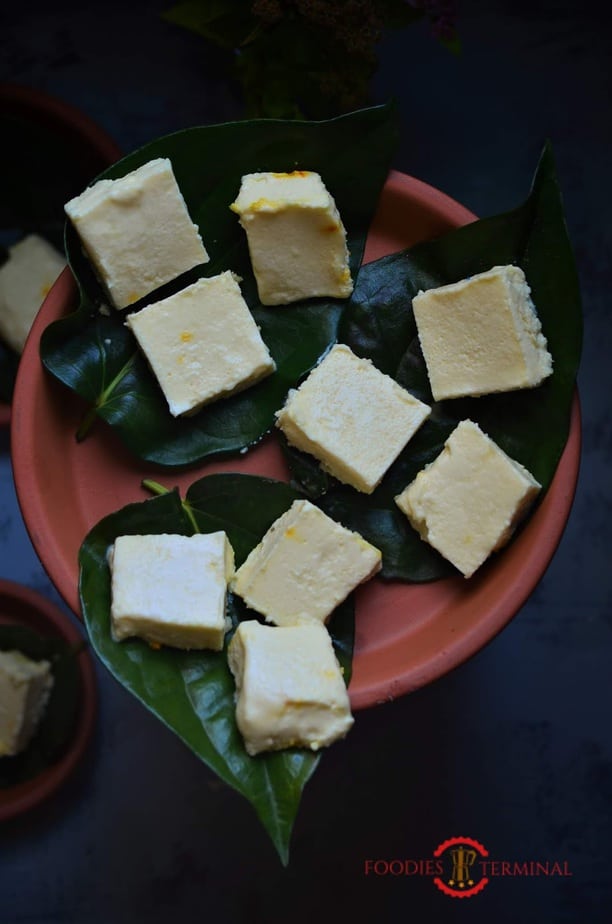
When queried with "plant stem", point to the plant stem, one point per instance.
{"points": [[154, 487], [91, 414], [158, 489]]}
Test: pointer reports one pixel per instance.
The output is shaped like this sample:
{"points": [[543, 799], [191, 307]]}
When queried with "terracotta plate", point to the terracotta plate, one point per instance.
{"points": [[406, 635], [21, 606]]}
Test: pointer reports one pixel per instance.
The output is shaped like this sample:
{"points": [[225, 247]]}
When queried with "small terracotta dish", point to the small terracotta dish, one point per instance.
{"points": [[32, 123], [406, 634], [23, 607]]}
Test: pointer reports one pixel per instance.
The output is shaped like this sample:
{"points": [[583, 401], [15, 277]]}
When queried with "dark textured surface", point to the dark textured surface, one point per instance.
{"points": [[513, 748]]}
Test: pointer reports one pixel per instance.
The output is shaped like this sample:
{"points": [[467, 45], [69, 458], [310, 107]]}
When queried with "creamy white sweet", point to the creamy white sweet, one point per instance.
{"points": [[289, 685], [171, 589], [481, 335], [137, 231], [296, 238], [202, 343], [32, 267], [305, 565], [352, 418], [468, 501], [25, 687]]}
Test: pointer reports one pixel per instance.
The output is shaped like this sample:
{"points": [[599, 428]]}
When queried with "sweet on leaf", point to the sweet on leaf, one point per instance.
{"points": [[530, 425], [95, 355], [192, 692]]}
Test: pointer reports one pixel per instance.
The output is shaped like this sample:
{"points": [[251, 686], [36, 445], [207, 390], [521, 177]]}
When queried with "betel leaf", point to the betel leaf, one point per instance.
{"points": [[192, 692], [58, 721], [95, 354], [531, 425]]}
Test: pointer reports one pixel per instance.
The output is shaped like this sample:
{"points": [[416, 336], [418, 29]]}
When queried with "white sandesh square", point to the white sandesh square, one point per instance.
{"points": [[202, 343], [481, 335], [171, 589], [290, 688], [468, 501], [305, 565], [26, 277], [25, 687], [296, 238], [137, 231], [351, 417]]}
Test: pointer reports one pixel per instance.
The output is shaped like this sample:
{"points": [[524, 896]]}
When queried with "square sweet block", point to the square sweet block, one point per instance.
{"points": [[32, 267], [305, 565], [296, 238], [468, 501], [202, 343], [351, 417], [25, 687], [137, 231], [290, 689], [170, 589], [481, 335]]}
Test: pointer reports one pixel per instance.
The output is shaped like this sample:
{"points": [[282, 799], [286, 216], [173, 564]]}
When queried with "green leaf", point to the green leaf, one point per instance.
{"points": [[193, 692], [224, 22], [96, 355], [59, 718], [531, 425]]}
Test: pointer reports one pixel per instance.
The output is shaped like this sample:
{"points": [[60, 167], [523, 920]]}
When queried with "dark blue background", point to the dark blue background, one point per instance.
{"points": [[514, 747]]}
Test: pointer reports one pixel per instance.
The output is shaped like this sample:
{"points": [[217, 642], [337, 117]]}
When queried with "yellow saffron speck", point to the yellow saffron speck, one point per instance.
{"points": [[186, 336], [284, 176], [263, 205]]}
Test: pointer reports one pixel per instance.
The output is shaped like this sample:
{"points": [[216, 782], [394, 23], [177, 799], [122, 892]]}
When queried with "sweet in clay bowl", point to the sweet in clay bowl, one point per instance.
{"points": [[23, 607], [53, 150]]}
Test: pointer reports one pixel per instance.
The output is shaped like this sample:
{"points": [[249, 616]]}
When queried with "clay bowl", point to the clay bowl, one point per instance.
{"points": [[55, 145], [24, 607]]}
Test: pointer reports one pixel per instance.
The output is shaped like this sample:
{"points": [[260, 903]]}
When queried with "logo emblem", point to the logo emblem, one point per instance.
{"points": [[460, 858]]}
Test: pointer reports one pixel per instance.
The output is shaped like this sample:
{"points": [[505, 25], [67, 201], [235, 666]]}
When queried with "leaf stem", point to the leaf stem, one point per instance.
{"points": [[154, 486], [190, 516], [90, 416], [87, 422], [158, 489]]}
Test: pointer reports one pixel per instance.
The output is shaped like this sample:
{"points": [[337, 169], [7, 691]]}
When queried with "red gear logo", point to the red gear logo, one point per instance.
{"points": [[460, 855]]}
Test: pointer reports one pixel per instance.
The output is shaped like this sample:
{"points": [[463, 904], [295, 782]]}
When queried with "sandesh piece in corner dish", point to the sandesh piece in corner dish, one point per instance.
{"points": [[53, 150], [30, 268], [97, 357], [47, 698], [25, 688]]}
